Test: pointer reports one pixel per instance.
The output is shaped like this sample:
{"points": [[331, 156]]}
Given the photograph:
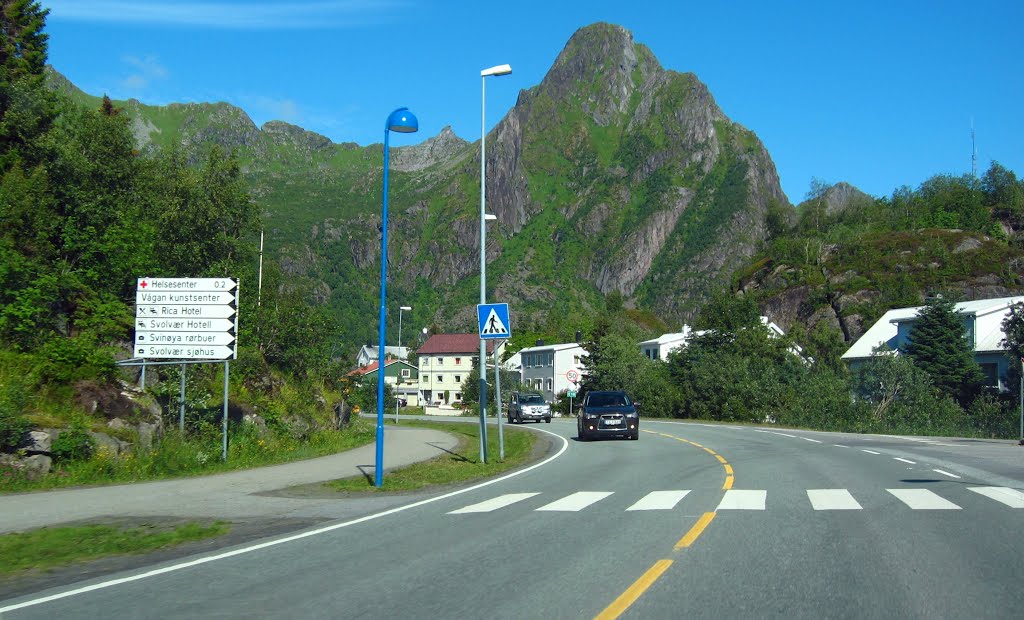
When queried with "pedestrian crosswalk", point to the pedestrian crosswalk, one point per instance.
{"points": [[741, 500]]}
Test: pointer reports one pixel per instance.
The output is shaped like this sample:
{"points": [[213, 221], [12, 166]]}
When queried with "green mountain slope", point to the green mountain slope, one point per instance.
{"points": [[612, 176]]}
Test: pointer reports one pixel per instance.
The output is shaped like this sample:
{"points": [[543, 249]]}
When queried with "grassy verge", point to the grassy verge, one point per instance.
{"points": [[461, 465], [49, 547], [177, 456]]}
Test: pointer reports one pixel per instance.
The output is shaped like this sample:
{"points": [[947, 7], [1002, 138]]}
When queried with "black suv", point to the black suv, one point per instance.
{"points": [[607, 413], [527, 406]]}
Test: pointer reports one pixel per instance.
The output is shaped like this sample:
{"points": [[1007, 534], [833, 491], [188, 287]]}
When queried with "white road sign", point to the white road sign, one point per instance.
{"points": [[186, 318], [190, 298], [187, 284], [184, 325], [184, 338], [213, 352], [157, 311], [573, 376]]}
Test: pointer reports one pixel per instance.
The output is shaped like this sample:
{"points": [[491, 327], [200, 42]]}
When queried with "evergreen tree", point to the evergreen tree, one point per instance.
{"points": [[939, 346], [26, 106]]}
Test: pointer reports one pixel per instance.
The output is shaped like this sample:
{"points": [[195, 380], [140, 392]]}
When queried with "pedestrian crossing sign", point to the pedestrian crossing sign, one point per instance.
{"points": [[493, 321]]}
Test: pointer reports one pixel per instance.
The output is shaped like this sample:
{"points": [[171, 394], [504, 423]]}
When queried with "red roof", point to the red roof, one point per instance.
{"points": [[372, 366], [466, 344]]}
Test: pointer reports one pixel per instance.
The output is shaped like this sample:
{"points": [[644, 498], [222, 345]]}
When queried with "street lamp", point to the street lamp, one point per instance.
{"points": [[497, 70], [402, 121], [401, 309]]}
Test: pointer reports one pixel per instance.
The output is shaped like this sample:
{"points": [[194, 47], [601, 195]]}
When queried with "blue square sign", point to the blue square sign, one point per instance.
{"points": [[493, 321]]}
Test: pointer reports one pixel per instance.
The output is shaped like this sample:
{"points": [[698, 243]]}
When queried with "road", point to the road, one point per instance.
{"points": [[691, 521]]}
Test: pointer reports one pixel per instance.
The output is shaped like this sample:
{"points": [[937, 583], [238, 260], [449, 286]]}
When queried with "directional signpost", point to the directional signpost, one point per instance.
{"points": [[188, 319]]}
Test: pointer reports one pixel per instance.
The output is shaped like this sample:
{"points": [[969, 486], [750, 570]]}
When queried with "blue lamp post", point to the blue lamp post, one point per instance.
{"points": [[402, 121]]}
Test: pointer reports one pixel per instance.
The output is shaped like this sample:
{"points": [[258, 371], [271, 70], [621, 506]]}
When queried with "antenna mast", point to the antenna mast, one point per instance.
{"points": [[974, 152]]}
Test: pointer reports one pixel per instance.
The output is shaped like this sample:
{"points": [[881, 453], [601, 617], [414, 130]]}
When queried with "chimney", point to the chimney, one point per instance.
{"points": [[540, 343]]}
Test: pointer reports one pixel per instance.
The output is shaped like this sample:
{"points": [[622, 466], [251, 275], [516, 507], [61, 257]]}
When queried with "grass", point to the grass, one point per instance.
{"points": [[460, 465], [49, 547], [177, 456]]}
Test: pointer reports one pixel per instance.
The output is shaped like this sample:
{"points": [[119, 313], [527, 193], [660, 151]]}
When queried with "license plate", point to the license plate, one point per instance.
{"points": [[613, 422]]}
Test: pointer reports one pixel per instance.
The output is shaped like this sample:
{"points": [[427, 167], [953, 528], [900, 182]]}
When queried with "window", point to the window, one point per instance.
{"points": [[440, 378], [423, 361], [549, 385], [991, 372], [551, 361], [458, 379], [406, 373], [439, 361], [538, 383], [458, 360]]}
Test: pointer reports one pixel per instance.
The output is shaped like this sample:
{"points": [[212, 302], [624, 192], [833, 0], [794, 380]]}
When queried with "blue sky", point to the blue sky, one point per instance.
{"points": [[878, 94]]}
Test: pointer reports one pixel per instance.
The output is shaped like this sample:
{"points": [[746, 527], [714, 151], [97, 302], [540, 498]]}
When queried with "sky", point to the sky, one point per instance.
{"points": [[877, 94]]}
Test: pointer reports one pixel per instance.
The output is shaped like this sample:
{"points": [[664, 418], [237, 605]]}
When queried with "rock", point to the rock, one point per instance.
{"points": [[255, 420], [113, 445], [967, 245], [148, 431], [38, 441], [37, 465]]}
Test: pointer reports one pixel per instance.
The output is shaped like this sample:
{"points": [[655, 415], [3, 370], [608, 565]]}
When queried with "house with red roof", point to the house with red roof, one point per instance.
{"points": [[445, 361]]}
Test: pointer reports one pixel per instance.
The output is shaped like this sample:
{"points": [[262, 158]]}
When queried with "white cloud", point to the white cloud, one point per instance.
{"points": [[247, 15], [147, 69], [273, 109]]}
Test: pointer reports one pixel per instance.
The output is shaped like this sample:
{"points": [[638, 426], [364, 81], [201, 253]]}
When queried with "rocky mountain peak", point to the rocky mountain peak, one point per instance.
{"points": [[281, 132], [441, 148], [602, 64]]}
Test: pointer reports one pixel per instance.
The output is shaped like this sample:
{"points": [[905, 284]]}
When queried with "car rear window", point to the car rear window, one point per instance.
{"points": [[607, 400]]}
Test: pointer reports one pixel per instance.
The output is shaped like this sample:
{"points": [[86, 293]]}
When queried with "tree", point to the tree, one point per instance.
{"points": [[26, 106], [938, 346]]}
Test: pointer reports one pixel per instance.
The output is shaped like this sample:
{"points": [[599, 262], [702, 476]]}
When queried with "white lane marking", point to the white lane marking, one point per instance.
{"points": [[743, 500], [946, 473], [896, 458], [838, 445], [280, 541], [923, 499], [659, 500], [495, 503], [775, 433], [735, 428], [809, 439], [832, 499], [1011, 497], [870, 451], [575, 502]]}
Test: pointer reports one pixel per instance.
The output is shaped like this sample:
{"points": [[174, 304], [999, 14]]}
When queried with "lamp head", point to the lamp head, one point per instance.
{"points": [[406, 308], [403, 121], [499, 70]]}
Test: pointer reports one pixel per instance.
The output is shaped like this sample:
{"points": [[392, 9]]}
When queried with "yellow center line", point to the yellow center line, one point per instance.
{"points": [[634, 591], [695, 531]]}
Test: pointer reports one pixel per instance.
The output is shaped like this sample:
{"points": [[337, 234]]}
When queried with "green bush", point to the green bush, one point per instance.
{"points": [[73, 444], [13, 425]]}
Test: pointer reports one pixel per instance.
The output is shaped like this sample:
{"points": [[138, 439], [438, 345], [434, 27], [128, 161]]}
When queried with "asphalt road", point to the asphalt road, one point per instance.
{"points": [[690, 521]]}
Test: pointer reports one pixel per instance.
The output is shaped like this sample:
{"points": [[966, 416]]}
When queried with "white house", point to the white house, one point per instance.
{"points": [[445, 363], [982, 325], [368, 353], [660, 347], [545, 367]]}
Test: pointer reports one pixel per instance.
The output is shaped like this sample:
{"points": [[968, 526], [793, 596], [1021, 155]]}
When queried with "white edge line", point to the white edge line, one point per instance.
{"points": [[944, 473], [841, 446], [870, 451], [896, 458], [279, 541], [809, 439]]}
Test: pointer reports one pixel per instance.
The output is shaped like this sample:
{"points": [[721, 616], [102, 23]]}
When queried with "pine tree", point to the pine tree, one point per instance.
{"points": [[939, 346]]}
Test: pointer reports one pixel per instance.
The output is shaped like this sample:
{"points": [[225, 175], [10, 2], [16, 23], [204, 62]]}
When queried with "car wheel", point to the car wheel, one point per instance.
{"points": [[547, 420], [635, 436]]}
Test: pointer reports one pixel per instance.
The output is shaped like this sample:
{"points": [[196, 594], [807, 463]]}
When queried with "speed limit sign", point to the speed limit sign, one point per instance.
{"points": [[573, 376]]}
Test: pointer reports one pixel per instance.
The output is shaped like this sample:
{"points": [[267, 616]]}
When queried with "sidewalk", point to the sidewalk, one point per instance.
{"points": [[235, 494]]}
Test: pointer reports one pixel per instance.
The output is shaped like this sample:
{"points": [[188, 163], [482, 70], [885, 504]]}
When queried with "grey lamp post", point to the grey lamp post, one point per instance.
{"points": [[402, 121], [497, 70], [401, 309]]}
